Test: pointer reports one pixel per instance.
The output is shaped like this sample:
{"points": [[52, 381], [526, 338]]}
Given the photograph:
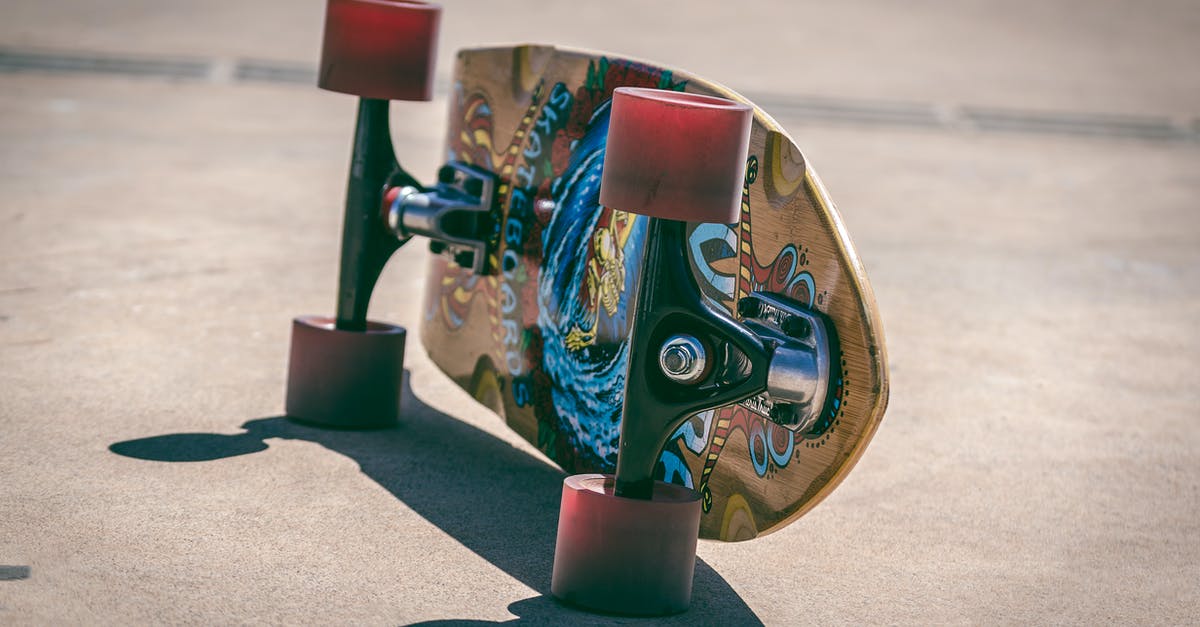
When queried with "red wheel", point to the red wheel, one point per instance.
{"points": [[345, 379], [675, 155], [625, 556], [382, 49]]}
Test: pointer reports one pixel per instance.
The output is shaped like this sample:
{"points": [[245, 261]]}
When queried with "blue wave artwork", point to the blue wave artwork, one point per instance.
{"points": [[588, 382]]}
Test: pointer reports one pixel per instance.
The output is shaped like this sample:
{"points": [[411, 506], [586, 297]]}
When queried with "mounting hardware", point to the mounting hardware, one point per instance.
{"points": [[799, 371], [455, 214], [683, 358]]}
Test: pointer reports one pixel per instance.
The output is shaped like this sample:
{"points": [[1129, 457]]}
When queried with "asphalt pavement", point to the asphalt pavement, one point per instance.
{"points": [[1021, 179]]}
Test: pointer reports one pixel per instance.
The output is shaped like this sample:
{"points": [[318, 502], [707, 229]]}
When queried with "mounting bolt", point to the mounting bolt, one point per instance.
{"points": [[785, 414], [465, 258], [796, 327], [682, 358], [749, 307]]}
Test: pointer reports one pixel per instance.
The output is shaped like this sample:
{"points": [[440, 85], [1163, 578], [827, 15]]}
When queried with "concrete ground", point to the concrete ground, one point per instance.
{"points": [[1022, 180]]}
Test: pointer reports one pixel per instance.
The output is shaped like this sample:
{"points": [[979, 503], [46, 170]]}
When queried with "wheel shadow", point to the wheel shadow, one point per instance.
{"points": [[497, 501]]}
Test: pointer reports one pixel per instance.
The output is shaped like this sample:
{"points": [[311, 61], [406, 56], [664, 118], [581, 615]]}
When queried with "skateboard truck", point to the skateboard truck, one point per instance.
{"points": [[455, 215], [627, 543], [798, 373], [346, 371], [687, 355]]}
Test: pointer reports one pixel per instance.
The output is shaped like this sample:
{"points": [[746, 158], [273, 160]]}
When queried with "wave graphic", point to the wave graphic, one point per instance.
{"points": [[589, 383]]}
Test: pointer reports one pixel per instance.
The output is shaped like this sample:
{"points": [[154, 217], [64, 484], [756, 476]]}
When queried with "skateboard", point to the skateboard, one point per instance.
{"points": [[636, 268], [543, 340]]}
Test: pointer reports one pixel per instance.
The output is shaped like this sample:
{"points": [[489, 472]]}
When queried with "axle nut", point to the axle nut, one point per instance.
{"points": [[682, 358]]}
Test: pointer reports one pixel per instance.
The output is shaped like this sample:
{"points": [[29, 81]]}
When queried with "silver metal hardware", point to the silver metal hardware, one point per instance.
{"points": [[454, 215], [682, 358], [799, 372]]}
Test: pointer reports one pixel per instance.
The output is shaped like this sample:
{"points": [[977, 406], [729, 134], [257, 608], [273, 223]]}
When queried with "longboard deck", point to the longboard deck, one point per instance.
{"points": [[542, 338]]}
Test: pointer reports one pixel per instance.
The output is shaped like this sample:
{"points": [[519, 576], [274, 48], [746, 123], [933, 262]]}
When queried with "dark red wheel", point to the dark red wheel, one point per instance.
{"points": [[383, 49], [625, 556], [345, 379], [675, 155]]}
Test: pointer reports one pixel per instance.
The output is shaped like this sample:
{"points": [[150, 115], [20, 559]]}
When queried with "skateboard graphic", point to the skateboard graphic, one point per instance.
{"points": [[634, 267]]}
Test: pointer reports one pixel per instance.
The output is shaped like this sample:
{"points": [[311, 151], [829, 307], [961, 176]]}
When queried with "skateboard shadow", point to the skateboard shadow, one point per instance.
{"points": [[496, 500]]}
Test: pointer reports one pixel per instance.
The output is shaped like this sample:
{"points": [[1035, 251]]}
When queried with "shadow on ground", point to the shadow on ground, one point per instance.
{"points": [[495, 499]]}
